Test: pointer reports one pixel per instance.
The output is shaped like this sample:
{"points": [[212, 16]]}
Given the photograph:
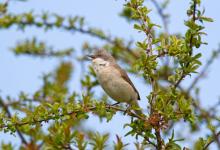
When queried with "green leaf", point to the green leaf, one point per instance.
{"points": [[207, 19], [138, 27], [199, 145], [172, 146]]}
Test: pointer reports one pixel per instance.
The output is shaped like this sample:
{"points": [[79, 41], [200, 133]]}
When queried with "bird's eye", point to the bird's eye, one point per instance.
{"points": [[101, 64]]}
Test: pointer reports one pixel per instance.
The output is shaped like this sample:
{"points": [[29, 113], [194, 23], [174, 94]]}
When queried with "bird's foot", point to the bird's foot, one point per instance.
{"points": [[115, 104], [127, 110]]}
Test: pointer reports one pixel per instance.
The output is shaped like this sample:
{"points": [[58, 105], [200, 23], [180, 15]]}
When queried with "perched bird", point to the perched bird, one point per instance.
{"points": [[114, 80]]}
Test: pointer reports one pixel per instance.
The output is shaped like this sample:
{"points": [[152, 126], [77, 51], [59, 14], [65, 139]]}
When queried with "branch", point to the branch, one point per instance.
{"points": [[24, 22], [194, 19], [180, 79], [150, 142], [210, 142], [190, 46], [162, 15], [88, 109], [9, 115], [159, 140]]}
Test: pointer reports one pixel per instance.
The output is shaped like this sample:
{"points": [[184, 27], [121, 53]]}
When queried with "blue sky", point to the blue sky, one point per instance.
{"points": [[23, 73]]}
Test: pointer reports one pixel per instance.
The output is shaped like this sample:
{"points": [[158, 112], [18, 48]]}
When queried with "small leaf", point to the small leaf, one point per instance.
{"points": [[207, 19]]}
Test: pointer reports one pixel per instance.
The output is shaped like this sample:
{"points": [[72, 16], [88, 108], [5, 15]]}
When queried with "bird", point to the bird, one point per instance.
{"points": [[114, 80]]}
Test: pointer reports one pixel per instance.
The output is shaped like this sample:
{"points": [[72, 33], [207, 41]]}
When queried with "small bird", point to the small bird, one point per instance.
{"points": [[114, 80]]}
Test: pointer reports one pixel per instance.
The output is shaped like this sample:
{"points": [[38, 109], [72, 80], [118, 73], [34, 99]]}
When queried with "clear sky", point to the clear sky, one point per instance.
{"points": [[23, 73]]}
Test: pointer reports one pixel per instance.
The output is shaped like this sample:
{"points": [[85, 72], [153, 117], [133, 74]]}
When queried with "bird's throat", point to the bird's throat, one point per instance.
{"points": [[99, 65]]}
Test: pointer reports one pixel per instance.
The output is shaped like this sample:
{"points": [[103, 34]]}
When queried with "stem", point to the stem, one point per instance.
{"points": [[194, 19], [159, 140], [190, 46]]}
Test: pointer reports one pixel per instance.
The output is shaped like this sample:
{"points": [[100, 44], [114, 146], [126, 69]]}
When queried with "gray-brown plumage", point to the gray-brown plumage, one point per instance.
{"points": [[126, 78], [113, 79]]}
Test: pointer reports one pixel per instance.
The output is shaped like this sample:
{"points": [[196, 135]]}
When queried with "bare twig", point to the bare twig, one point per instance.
{"points": [[164, 18]]}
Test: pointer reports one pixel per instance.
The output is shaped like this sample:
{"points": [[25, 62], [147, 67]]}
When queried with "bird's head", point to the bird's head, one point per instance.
{"points": [[101, 56]]}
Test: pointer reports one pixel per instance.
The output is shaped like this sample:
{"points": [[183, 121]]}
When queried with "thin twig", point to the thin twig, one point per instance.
{"points": [[164, 18], [194, 19], [85, 31], [150, 142], [190, 46], [210, 142], [23, 140]]}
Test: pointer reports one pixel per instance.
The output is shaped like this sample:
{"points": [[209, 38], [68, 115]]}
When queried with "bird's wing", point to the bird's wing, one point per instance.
{"points": [[126, 78]]}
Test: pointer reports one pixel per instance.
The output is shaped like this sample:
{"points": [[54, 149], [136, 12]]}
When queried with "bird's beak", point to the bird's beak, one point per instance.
{"points": [[90, 56]]}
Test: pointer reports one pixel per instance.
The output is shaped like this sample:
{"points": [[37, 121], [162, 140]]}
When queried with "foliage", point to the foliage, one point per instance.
{"points": [[62, 112]]}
